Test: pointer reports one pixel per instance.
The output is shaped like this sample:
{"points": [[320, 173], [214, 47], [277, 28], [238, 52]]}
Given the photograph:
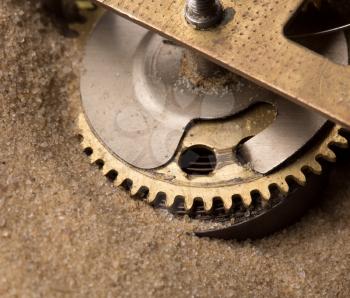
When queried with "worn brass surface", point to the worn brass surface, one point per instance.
{"points": [[172, 182], [252, 44], [151, 93], [229, 178]]}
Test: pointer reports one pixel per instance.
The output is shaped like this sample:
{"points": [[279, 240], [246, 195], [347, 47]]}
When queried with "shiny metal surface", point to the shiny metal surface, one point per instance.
{"points": [[204, 14], [292, 129], [321, 19], [294, 125], [321, 32], [253, 45], [136, 100], [139, 104]]}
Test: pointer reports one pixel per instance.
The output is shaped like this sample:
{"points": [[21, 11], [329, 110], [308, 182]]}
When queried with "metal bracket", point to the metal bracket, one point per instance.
{"points": [[253, 45]]}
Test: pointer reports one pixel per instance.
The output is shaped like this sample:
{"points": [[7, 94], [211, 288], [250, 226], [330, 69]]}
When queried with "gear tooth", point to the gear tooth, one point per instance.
{"points": [[93, 157], [170, 200], [208, 204], [171, 197], [315, 167], [188, 201], [340, 141], [265, 193], [227, 201], [283, 187], [246, 198], [151, 196], [98, 152], [134, 189], [84, 143], [299, 177], [119, 180], [105, 170], [85, 5], [329, 155]]}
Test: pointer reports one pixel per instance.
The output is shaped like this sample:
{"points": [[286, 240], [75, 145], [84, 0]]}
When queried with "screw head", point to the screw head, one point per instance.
{"points": [[204, 14]]}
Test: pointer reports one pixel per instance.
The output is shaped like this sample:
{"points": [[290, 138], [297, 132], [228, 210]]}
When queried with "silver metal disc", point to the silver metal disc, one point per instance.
{"points": [[139, 106], [135, 98], [294, 125]]}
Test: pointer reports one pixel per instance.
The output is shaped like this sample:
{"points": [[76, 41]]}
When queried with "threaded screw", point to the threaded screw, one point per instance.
{"points": [[204, 14]]}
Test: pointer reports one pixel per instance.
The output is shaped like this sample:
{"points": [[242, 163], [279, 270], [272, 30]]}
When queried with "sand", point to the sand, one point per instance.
{"points": [[66, 231]]}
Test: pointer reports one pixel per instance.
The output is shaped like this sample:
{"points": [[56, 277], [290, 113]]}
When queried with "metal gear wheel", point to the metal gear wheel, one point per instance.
{"points": [[206, 170], [160, 182]]}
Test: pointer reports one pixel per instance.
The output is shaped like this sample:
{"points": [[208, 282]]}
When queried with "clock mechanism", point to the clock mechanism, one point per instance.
{"points": [[226, 112]]}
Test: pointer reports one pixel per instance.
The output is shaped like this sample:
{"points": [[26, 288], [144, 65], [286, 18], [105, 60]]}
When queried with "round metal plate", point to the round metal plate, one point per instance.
{"points": [[139, 105]]}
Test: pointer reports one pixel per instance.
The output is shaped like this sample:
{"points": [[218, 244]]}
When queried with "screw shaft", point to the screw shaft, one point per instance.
{"points": [[204, 14], [201, 6]]}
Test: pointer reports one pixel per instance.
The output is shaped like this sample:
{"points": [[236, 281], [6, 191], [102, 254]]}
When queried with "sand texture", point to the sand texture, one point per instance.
{"points": [[66, 231]]}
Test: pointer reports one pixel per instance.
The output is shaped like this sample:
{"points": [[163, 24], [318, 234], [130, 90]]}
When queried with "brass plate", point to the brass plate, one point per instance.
{"points": [[253, 45]]}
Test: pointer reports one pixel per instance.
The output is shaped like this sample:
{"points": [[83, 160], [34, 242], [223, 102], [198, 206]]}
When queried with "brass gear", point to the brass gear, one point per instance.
{"points": [[225, 185], [163, 181]]}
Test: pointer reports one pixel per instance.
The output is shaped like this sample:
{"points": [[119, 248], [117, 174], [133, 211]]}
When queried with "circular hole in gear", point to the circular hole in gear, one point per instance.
{"points": [[198, 160]]}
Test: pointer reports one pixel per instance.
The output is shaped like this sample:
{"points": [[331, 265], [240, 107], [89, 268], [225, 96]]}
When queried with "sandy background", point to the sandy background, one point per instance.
{"points": [[65, 231]]}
